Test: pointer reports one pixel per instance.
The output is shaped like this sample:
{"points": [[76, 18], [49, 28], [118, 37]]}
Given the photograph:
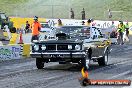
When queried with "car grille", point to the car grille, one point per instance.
{"points": [[50, 47], [62, 47], [57, 47]]}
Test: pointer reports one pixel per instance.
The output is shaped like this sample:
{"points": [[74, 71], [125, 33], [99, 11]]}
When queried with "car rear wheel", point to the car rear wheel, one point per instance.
{"points": [[13, 30], [39, 63], [104, 60]]}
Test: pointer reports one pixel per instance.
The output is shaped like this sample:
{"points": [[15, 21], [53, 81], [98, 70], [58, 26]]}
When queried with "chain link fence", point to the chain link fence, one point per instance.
{"points": [[61, 9], [119, 15]]}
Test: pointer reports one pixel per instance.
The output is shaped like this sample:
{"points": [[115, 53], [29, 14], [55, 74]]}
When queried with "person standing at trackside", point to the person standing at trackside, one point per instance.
{"points": [[72, 14], [112, 25], [109, 13], [83, 14], [127, 29], [27, 27], [126, 33], [88, 23], [113, 34], [120, 30], [59, 22], [36, 26]]}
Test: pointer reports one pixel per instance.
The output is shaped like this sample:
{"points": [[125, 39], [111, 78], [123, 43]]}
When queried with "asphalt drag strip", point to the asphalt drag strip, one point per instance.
{"points": [[24, 74]]}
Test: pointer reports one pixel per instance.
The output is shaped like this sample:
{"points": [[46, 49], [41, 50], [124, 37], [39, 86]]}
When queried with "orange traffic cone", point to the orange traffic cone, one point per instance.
{"points": [[20, 39]]}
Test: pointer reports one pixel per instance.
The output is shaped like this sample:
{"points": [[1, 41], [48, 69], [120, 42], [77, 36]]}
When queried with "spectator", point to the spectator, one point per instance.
{"points": [[72, 14], [83, 14], [27, 27], [109, 13], [126, 33], [127, 29], [113, 34]]}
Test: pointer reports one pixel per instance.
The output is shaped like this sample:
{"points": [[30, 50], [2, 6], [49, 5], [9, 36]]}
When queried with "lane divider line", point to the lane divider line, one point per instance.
{"points": [[121, 74]]}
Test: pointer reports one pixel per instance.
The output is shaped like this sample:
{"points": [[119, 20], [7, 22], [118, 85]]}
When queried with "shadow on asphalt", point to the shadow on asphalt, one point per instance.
{"points": [[71, 67]]}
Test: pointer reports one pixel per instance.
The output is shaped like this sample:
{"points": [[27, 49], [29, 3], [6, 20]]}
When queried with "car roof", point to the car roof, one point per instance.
{"points": [[74, 27], [43, 23]]}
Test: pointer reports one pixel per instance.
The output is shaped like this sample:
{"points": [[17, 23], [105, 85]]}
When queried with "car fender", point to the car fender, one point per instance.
{"points": [[106, 48]]}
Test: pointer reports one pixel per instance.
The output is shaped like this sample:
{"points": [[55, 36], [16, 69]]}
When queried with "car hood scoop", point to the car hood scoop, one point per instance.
{"points": [[61, 36]]}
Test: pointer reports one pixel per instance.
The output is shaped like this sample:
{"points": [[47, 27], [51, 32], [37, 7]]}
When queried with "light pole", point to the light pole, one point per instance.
{"points": [[52, 8], [69, 7]]}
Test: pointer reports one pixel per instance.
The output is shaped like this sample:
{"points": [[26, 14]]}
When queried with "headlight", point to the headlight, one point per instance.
{"points": [[43, 47], [69, 47], [35, 40], [36, 47], [77, 47]]}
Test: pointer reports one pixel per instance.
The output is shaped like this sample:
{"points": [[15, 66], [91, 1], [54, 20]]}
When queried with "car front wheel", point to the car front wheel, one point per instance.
{"points": [[85, 62], [39, 63], [104, 60]]}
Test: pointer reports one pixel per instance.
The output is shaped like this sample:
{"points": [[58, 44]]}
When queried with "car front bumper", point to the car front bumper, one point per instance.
{"points": [[58, 55]]}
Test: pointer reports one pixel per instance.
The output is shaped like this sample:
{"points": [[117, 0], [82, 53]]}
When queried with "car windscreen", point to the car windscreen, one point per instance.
{"points": [[69, 30], [75, 32], [93, 42], [45, 26]]}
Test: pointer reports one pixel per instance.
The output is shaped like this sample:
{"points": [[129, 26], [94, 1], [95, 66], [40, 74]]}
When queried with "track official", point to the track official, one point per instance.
{"points": [[121, 30], [36, 26]]}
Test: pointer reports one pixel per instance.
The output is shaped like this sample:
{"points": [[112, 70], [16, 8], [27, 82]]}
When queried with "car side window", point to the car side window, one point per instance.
{"points": [[42, 25], [45, 26]]}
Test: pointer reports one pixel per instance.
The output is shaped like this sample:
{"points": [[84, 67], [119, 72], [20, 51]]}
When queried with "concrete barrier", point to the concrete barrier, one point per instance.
{"points": [[26, 50], [14, 51], [9, 52]]}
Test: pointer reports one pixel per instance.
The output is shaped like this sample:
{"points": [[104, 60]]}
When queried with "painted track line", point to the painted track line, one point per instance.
{"points": [[121, 74]]}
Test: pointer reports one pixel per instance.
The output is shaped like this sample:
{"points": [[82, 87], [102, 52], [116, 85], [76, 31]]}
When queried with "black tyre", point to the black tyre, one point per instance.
{"points": [[39, 63], [85, 62], [13, 30], [104, 60]]}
